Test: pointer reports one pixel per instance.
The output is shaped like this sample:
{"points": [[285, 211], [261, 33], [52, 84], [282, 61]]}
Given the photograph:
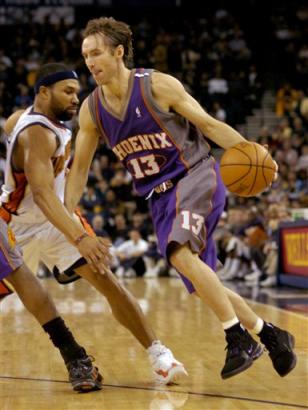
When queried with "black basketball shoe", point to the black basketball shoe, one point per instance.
{"points": [[279, 344], [242, 350], [83, 376]]}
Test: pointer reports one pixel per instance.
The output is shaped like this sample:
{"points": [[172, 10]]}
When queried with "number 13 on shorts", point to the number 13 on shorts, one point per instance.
{"points": [[192, 222]]}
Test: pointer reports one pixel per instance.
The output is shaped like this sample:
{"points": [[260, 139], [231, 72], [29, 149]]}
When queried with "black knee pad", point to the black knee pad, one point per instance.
{"points": [[69, 275]]}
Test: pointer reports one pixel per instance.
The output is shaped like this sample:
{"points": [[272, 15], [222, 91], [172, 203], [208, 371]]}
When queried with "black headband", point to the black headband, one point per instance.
{"points": [[54, 78]]}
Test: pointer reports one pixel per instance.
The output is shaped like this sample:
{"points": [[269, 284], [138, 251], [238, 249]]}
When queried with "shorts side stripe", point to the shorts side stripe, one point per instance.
{"points": [[7, 257]]}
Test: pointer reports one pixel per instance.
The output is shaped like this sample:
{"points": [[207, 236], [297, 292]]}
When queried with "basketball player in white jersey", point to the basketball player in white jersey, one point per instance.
{"points": [[32, 204], [82, 375]]}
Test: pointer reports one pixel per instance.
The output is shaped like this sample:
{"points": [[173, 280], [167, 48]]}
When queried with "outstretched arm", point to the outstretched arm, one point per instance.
{"points": [[86, 144], [169, 93]]}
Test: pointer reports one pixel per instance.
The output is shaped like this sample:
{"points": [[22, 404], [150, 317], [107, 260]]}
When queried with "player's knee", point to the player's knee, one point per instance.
{"points": [[106, 282], [182, 258], [20, 276]]}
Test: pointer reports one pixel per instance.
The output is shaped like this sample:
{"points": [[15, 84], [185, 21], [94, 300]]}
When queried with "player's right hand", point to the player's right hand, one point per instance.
{"points": [[276, 166], [96, 252]]}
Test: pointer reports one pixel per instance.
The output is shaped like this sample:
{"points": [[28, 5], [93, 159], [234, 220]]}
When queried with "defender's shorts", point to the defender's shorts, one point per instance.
{"points": [[189, 212], [10, 253], [45, 243]]}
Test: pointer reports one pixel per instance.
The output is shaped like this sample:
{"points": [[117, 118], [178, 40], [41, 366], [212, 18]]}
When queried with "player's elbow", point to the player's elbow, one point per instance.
{"points": [[40, 194]]}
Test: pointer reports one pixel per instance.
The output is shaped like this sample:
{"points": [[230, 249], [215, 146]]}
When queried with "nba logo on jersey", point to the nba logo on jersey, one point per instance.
{"points": [[138, 112]]}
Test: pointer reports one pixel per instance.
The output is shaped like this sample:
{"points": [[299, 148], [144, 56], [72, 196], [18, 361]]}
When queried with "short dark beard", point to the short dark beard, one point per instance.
{"points": [[64, 116], [60, 114]]}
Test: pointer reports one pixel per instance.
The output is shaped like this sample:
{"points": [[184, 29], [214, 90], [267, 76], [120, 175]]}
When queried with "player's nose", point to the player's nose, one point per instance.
{"points": [[75, 99]]}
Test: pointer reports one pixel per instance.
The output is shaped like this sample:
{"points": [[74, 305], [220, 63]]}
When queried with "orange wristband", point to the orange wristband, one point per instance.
{"points": [[80, 238]]}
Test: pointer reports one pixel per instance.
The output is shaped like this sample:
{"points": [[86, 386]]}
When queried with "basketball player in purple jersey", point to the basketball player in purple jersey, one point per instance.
{"points": [[162, 136]]}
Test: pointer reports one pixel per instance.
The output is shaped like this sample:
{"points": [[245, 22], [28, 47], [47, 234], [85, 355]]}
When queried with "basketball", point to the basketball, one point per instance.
{"points": [[247, 169]]}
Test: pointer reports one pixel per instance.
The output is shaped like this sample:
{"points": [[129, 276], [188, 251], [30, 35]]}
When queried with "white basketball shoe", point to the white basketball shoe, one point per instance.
{"points": [[166, 368]]}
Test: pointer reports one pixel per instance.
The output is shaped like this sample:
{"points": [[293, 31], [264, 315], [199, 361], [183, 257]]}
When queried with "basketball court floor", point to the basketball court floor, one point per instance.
{"points": [[33, 377]]}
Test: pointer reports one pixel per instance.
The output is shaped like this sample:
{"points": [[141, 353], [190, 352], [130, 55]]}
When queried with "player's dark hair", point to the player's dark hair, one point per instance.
{"points": [[116, 32]]}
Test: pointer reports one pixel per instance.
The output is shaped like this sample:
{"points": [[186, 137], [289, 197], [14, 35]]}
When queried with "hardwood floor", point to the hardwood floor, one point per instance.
{"points": [[33, 377]]}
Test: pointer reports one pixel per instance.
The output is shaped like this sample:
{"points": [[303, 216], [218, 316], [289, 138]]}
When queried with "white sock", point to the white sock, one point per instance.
{"points": [[258, 326], [230, 323]]}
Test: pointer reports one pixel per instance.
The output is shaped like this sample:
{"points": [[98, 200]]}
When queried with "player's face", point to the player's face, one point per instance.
{"points": [[99, 58], [64, 99]]}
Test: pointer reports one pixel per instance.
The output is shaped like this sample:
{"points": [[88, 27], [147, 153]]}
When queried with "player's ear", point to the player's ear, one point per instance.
{"points": [[119, 51], [44, 92]]}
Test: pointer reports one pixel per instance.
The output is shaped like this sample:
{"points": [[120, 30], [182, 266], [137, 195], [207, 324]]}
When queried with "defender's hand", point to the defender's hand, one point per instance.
{"points": [[96, 252]]}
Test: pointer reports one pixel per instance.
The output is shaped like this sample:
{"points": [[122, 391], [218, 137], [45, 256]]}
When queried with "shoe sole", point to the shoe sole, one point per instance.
{"points": [[255, 355], [88, 385], [293, 364], [258, 352], [234, 372], [175, 375], [291, 340]]}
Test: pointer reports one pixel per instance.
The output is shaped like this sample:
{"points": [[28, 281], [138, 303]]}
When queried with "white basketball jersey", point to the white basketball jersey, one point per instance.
{"points": [[17, 204]]}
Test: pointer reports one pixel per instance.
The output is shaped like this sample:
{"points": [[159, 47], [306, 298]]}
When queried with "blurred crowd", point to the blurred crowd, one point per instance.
{"points": [[210, 55], [213, 59]]}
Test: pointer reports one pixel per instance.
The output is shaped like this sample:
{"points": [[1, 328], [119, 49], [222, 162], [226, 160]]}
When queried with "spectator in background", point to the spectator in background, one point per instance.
{"points": [[302, 108], [274, 216], [120, 183], [101, 187], [130, 254], [119, 231], [287, 154], [219, 112], [139, 223], [23, 99], [254, 86], [302, 163], [98, 225], [154, 262], [102, 168], [218, 86], [160, 53], [113, 206], [286, 99], [5, 60], [90, 199]]}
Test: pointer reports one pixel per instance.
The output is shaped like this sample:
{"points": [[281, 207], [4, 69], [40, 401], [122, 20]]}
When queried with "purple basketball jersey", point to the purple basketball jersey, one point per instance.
{"points": [[153, 145], [158, 146]]}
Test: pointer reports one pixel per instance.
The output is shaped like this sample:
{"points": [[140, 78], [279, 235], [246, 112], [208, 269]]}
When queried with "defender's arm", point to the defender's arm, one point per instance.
{"points": [[39, 172]]}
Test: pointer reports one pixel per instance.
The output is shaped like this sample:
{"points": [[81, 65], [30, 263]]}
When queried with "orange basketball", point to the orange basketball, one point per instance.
{"points": [[247, 169]]}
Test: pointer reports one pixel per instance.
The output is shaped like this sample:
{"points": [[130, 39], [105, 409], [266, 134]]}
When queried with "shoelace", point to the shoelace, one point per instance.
{"points": [[72, 365], [161, 351], [270, 340]]}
